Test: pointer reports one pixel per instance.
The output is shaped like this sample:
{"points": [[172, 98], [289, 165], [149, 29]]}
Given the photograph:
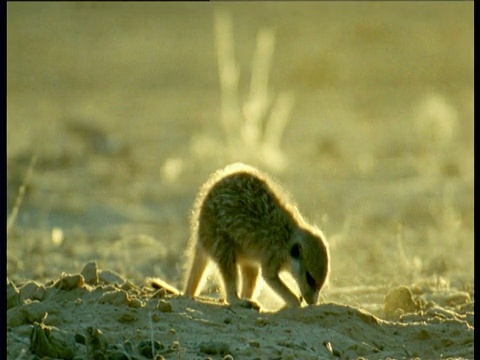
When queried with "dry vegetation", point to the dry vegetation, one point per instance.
{"points": [[116, 113]]}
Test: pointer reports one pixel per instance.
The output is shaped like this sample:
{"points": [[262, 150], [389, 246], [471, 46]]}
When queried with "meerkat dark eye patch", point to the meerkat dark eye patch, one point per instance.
{"points": [[310, 280], [295, 251]]}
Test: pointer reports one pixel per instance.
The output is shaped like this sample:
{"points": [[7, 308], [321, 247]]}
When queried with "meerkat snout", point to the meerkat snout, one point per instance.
{"points": [[309, 262], [244, 223]]}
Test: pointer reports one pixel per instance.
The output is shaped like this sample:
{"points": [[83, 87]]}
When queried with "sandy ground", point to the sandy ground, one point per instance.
{"points": [[121, 107], [97, 314]]}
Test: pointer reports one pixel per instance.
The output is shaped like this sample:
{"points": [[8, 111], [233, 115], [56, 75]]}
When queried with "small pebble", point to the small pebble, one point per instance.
{"points": [[136, 303], [52, 319], [117, 355], [145, 348], [36, 311], [399, 299], [27, 290], [254, 343], [126, 317], [16, 317], [69, 282], [128, 346], [48, 341], [96, 341], [90, 273], [128, 286], [163, 306], [160, 294], [118, 297], [261, 321], [175, 345], [12, 295], [214, 348], [39, 294], [80, 339], [156, 317], [110, 277]]}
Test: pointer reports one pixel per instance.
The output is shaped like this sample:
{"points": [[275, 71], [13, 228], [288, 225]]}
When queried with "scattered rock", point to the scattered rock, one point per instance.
{"points": [[129, 286], [96, 343], [128, 347], [160, 293], [27, 291], [13, 298], [69, 282], [52, 319], [39, 293], [260, 321], [136, 303], [16, 316], [149, 348], [90, 273], [126, 317], [35, 311], [163, 306], [110, 277], [214, 348], [254, 344], [118, 297], [400, 298], [175, 345], [80, 339], [156, 317], [52, 342]]}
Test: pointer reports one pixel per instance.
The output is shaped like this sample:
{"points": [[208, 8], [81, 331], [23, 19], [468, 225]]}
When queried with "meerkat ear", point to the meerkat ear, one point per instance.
{"points": [[295, 251]]}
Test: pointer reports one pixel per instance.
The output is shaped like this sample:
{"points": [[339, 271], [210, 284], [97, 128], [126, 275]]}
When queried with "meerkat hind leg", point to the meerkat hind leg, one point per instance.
{"points": [[197, 270]]}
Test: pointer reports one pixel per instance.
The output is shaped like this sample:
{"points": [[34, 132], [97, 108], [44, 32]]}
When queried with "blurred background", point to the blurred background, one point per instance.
{"points": [[362, 111]]}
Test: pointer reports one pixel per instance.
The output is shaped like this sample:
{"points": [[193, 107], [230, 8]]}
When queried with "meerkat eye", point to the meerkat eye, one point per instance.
{"points": [[310, 280], [295, 251]]}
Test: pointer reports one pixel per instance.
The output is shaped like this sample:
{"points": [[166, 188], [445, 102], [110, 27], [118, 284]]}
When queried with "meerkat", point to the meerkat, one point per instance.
{"points": [[243, 222]]}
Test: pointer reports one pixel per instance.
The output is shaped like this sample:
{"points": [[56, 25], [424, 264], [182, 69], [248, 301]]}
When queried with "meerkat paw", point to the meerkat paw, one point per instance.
{"points": [[246, 303], [250, 304]]}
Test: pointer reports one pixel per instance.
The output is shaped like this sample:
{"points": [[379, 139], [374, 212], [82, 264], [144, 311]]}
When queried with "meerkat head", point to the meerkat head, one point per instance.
{"points": [[309, 261]]}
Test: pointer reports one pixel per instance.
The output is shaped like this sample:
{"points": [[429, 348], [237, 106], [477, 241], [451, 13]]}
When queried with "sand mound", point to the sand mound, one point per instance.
{"points": [[98, 314]]}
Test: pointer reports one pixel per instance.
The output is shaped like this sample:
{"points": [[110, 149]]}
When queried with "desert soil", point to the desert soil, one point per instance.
{"points": [[114, 121]]}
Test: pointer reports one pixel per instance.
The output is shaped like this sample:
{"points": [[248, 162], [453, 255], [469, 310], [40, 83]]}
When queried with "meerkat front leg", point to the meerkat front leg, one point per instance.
{"points": [[277, 285]]}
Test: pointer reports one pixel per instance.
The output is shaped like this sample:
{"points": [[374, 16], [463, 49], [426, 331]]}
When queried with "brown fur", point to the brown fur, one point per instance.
{"points": [[243, 221]]}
